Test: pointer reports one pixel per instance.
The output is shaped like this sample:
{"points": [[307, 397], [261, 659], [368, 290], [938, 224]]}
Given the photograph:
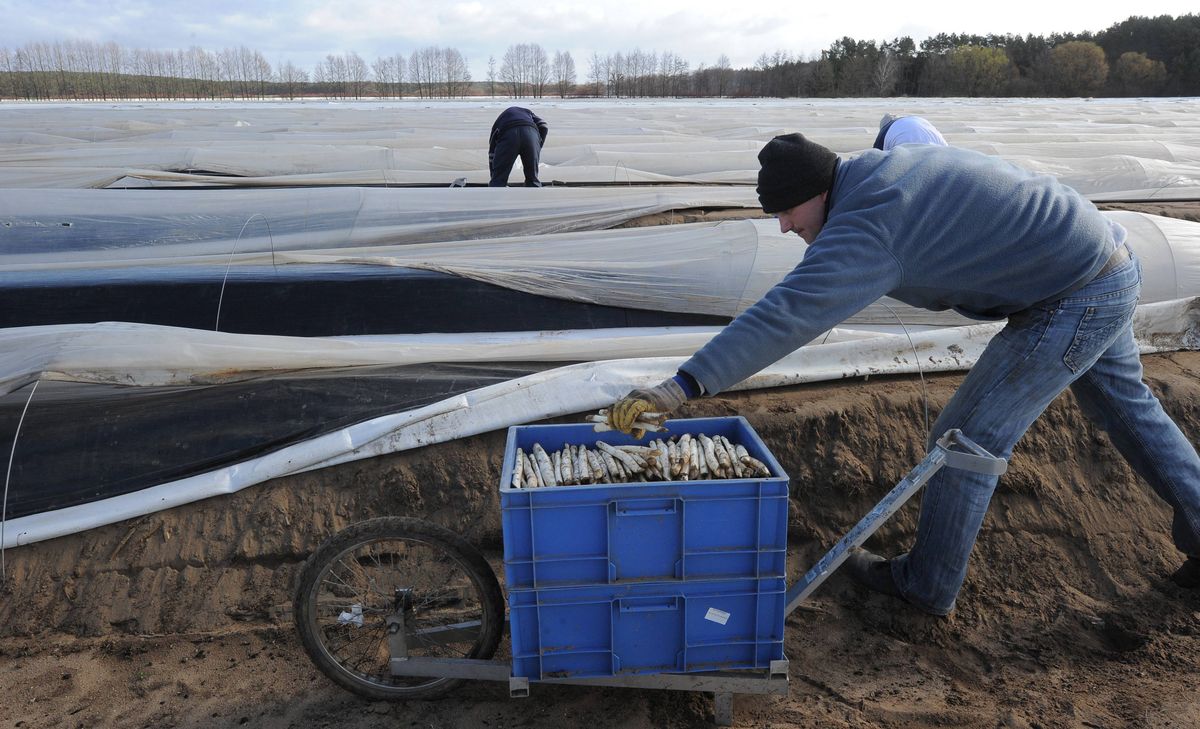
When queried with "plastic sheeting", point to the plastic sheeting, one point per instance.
{"points": [[1109, 148], [437, 388], [83, 443], [104, 226], [703, 268], [553, 392], [713, 270], [304, 300]]}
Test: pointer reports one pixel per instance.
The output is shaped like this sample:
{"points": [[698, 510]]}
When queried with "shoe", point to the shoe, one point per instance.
{"points": [[1189, 574], [872, 572]]}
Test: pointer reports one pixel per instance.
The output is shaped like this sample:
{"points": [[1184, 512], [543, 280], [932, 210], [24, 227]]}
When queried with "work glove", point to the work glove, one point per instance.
{"points": [[662, 398]]}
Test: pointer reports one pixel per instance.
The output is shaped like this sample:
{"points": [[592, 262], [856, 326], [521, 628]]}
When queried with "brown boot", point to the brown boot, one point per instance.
{"points": [[1189, 574], [872, 572]]}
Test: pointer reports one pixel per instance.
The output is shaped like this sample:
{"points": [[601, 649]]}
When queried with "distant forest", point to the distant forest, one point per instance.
{"points": [[1140, 56]]}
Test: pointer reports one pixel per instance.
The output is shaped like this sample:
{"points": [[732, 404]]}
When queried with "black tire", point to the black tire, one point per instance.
{"points": [[362, 566]]}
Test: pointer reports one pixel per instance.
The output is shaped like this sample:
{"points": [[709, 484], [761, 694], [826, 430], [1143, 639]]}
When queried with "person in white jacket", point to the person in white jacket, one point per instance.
{"points": [[894, 131]]}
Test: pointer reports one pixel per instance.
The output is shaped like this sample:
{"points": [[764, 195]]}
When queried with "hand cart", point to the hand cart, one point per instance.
{"points": [[397, 608]]}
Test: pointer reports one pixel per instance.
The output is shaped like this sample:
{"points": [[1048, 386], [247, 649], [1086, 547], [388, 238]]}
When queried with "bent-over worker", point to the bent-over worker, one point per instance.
{"points": [[947, 228], [516, 132]]}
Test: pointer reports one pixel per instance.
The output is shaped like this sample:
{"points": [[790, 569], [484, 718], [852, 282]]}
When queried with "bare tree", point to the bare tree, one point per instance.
{"points": [[418, 76], [356, 74], [883, 79], [515, 70], [381, 70], [525, 69], [564, 72], [539, 70], [491, 76], [724, 75], [389, 75], [291, 77], [455, 72]]}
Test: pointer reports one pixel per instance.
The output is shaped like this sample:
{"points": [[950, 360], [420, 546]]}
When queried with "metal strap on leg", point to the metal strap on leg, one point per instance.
{"points": [[977, 461]]}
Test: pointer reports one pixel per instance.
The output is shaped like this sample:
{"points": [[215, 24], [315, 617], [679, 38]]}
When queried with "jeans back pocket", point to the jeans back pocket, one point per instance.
{"points": [[1098, 329]]}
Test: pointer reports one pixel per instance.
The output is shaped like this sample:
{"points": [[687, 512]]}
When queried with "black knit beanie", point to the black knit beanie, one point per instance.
{"points": [[794, 170]]}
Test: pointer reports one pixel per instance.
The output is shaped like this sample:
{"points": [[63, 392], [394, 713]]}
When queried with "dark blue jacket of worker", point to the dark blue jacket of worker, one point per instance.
{"points": [[517, 132], [516, 116]]}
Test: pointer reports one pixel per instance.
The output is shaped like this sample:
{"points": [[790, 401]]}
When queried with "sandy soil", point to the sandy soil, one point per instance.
{"points": [[1067, 619]]}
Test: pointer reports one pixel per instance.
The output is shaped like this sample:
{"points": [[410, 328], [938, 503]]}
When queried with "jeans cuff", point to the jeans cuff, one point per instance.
{"points": [[901, 585]]}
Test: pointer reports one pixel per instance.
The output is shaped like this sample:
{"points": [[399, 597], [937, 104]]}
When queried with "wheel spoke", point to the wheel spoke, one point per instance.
{"points": [[449, 610]]}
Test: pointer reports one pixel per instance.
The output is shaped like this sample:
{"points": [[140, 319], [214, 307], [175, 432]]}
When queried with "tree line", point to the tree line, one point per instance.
{"points": [[1140, 56]]}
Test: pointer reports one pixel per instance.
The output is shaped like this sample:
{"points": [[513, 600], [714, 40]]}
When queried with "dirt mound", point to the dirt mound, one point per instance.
{"points": [[1066, 619]]}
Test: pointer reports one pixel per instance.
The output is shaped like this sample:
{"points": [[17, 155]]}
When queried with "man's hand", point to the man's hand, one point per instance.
{"points": [[662, 398]]}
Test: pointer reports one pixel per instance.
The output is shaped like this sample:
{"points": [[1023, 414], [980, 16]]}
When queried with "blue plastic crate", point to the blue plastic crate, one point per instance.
{"points": [[643, 532], [608, 630]]}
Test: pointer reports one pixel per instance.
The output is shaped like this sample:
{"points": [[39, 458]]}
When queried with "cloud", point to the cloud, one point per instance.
{"points": [[304, 31]]}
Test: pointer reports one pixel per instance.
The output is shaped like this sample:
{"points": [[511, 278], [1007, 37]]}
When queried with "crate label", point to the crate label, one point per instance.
{"points": [[717, 616]]}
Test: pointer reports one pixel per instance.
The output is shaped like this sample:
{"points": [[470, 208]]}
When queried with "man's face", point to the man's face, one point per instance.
{"points": [[804, 219]]}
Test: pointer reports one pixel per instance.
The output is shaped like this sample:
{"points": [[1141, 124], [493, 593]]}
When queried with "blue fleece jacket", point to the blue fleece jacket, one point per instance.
{"points": [[935, 227]]}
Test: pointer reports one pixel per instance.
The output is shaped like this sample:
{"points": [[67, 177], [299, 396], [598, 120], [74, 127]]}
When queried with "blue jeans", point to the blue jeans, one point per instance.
{"points": [[1084, 341]]}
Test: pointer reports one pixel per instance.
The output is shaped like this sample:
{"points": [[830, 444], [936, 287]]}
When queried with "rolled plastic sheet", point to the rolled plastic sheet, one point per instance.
{"points": [[131, 489], [701, 268], [99, 227]]}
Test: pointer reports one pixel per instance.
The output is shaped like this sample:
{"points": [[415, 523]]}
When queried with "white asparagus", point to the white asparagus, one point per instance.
{"points": [[610, 464], [648, 416], [723, 455], [535, 475], [756, 465], [685, 456], [664, 460], [710, 455], [600, 425], [622, 475], [583, 466], [637, 450], [518, 467], [644, 455], [733, 459], [569, 463], [597, 467], [627, 460], [583, 472], [545, 466], [688, 457]]}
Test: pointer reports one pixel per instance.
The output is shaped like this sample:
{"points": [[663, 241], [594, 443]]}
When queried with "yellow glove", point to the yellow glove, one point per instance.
{"points": [[662, 398]]}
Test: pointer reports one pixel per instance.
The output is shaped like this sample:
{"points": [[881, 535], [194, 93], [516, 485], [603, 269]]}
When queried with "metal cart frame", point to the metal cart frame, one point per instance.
{"points": [[953, 450]]}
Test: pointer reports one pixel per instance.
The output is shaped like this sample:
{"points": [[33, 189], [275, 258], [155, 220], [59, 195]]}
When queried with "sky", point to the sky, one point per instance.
{"points": [[700, 31]]}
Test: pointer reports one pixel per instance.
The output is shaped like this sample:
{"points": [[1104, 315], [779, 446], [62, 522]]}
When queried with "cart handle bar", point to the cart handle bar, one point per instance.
{"points": [[976, 460]]}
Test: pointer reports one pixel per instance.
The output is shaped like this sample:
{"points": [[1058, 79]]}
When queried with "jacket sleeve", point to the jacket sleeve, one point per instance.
{"points": [[842, 272], [542, 127]]}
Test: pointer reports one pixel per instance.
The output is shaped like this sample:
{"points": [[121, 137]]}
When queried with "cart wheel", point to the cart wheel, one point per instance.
{"points": [[373, 569]]}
